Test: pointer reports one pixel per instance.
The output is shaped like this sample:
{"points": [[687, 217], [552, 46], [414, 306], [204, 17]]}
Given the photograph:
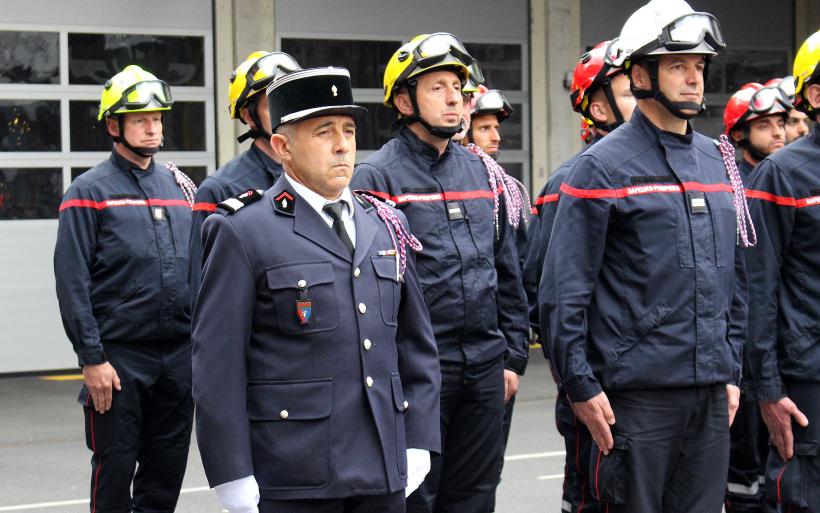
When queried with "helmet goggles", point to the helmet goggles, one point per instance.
{"points": [[140, 95], [492, 102], [771, 98], [436, 48], [264, 70], [688, 32]]}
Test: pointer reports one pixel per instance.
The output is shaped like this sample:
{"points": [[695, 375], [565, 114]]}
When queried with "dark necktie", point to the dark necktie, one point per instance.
{"points": [[334, 210]]}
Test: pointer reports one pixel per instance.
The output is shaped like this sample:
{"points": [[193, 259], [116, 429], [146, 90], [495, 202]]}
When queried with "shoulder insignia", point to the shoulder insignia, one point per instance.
{"points": [[284, 202], [232, 205]]}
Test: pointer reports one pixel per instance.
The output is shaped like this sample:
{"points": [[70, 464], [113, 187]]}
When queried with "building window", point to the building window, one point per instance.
{"points": [[94, 58], [377, 127], [29, 57], [30, 125], [30, 193], [366, 60], [500, 63], [514, 169]]}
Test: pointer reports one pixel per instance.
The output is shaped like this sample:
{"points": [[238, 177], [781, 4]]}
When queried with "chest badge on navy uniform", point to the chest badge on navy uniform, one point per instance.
{"points": [[304, 310], [284, 202]]}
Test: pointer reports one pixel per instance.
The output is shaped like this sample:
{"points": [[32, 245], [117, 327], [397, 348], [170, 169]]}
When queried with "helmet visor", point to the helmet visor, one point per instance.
{"points": [[476, 75], [690, 30], [788, 87], [139, 95], [493, 102], [769, 99], [269, 67]]}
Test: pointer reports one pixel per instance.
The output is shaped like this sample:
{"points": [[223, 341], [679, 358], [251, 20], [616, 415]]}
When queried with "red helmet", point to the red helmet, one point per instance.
{"points": [[590, 73], [753, 101]]}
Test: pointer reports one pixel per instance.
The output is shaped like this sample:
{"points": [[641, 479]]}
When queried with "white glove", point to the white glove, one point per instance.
{"points": [[239, 496], [418, 465]]}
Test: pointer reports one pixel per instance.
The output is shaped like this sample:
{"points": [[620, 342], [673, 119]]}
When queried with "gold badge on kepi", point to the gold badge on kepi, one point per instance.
{"points": [[284, 202]]}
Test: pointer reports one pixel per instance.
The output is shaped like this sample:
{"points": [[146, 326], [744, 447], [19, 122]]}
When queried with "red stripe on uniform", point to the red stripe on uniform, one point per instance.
{"points": [[436, 196], [207, 207], [779, 477], [100, 205], [640, 190], [784, 201], [549, 198], [597, 466]]}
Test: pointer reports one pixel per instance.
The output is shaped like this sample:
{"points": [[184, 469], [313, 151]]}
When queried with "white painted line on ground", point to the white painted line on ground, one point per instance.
{"points": [[57, 504], [535, 455], [551, 476]]}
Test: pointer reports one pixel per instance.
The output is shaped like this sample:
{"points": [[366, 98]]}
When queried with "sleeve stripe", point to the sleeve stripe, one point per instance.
{"points": [[785, 201], [436, 196], [100, 205], [640, 190], [207, 207]]}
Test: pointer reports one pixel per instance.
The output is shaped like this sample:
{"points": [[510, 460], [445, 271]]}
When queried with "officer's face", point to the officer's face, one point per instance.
{"points": [[680, 78], [438, 94], [486, 133], [319, 153], [797, 125], [142, 129]]}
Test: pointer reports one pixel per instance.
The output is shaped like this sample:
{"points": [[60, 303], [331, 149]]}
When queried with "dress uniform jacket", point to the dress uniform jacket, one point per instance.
{"points": [[313, 371], [470, 277], [784, 269], [252, 169], [121, 258], [641, 264]]}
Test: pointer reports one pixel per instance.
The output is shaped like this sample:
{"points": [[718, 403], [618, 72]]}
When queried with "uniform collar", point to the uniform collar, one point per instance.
{"points": [[656, 134], [419, 147], [264, 161], [317, 202], [128, 166]]}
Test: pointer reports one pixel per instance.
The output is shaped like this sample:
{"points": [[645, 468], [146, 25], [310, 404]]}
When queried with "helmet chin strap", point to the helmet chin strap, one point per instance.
{"points": [[442, 132], [674, 108], [142, 151]]}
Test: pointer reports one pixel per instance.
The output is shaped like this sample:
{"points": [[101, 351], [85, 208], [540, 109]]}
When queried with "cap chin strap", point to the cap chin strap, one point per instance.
{"points": [[142, 151], [442, 132], [674, 108], [253, 133]]}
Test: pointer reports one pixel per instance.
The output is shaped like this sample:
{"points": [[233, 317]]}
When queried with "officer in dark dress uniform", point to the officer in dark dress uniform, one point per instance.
{"points": [[316, 374]]}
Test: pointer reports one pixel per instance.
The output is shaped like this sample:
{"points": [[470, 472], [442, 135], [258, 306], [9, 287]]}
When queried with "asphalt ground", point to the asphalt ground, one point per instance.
{"points": [[44, 463]]}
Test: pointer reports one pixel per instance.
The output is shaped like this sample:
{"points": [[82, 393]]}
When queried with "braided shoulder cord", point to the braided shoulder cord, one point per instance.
{"points": [[518, 200], [744, 218], [186, 184], [398, 233]]}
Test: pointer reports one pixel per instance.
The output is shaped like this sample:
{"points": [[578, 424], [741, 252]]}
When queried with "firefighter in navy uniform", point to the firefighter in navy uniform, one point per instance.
{"points": [[645, 308], [468, 269], [784, 301], [600, 93], [311, 314], [257, 167], [755, 119], [121, 268]]}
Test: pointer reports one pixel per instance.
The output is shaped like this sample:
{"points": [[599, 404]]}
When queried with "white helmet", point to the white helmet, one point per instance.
{"points": [[667, 26]]}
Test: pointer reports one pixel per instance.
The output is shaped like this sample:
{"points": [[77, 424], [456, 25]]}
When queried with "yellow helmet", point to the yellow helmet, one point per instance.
{"points": [[424, 53], [806, 71], [254, 74], [134, 90]]}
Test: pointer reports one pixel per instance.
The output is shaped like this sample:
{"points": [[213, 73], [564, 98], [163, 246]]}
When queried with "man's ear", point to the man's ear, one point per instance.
{"points": [[737, 135], [112, 126], [640, 77], [245, 116], [402, 103], [813, 95], [281, 147], [597, 111]]}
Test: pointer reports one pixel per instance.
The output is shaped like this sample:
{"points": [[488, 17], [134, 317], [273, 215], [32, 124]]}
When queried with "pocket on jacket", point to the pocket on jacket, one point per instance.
{"points": [[609, 475], [304, 297], [290, 432], [389, 288], [789, 482]]}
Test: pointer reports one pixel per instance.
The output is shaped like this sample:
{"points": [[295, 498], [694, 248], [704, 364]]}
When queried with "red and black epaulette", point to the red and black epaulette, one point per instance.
{"points": [[232, 205]]}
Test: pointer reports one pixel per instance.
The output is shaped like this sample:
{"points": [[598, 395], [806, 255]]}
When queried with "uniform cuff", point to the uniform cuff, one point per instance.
{"points": [[516, 364], [581, 388], [93, 356], [769, 390]]}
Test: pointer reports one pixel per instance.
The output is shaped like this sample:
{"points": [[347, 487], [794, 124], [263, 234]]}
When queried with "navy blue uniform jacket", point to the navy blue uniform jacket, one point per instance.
{"points": [[252, 169], [121, 258], [784, 269], [320, 410], [644, 250], [470, 278]]}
